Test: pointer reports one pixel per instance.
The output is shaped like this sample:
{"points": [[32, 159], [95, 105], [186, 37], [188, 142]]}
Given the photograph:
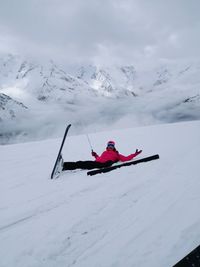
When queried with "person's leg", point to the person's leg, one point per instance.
{"points": [[79, 165], [69, 166], [87, 165]]}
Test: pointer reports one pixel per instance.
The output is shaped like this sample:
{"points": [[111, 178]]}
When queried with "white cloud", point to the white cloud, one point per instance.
{"points": [[105, 31]]}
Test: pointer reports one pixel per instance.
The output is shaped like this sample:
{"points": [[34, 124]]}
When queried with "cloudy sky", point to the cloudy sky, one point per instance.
{"points": [[101, 31]]}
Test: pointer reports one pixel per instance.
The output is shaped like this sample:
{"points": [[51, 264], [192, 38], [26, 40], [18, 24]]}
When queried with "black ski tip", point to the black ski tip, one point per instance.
{"points": [[156, 156], [192, 259]]}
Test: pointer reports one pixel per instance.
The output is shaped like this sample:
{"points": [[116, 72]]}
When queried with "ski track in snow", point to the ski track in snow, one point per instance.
{"points": [[143, 215]]}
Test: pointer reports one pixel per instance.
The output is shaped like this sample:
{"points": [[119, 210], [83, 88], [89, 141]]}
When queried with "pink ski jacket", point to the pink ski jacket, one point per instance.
{"points": [[110, 155]]}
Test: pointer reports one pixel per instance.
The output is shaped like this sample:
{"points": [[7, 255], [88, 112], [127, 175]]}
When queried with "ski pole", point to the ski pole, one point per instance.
{"points": [[89, 142]]}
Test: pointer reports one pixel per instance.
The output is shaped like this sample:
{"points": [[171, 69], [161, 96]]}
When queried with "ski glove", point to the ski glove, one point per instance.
{"points": [[94, 154], [137, 152]]}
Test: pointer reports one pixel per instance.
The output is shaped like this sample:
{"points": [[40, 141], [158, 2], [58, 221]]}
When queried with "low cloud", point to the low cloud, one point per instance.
{"points": [[108, 31]]}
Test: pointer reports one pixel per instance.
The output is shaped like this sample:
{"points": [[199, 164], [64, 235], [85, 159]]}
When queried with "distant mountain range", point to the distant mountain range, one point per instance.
{"points": [[37, 100]]}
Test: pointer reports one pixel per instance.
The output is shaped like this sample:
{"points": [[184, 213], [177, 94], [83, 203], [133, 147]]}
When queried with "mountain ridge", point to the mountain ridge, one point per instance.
{"points": [[91, 96]]}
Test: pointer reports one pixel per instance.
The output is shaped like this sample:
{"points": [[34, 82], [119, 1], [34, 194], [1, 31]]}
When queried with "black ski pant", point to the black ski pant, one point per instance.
{"points": [[87, 165]]}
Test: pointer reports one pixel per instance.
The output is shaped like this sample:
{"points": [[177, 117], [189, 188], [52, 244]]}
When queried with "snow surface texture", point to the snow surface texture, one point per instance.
{"points": [[139, 216], [92, 98]]}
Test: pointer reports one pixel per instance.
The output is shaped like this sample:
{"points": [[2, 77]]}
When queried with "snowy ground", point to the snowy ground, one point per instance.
{"points": [[143, 215]]}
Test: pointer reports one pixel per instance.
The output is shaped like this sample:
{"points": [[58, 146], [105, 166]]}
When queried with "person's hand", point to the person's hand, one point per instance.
{"points": [[137, 152], [94, 154]]}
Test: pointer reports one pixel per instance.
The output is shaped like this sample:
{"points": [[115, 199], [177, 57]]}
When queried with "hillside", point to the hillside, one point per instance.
{"points": [[144, 215]]}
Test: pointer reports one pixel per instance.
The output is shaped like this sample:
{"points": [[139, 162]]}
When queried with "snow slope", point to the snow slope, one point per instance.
{"points": [[143, 215]]}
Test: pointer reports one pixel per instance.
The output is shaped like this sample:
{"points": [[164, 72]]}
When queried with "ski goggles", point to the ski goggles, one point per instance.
{"points": [[110, 145]]}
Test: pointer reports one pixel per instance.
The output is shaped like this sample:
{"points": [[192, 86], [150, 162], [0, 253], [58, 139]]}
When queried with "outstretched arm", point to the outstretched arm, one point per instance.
{"points": [[129, 157]]}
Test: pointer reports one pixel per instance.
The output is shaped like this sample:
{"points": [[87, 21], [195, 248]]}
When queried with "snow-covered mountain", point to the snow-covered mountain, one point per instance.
{"points": [[92, 97], [139, 216], [10, 109], [109, 81]]}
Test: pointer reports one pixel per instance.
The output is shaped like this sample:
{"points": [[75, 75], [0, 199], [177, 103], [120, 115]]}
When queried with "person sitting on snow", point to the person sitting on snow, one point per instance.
{"points": [[107, 158]]}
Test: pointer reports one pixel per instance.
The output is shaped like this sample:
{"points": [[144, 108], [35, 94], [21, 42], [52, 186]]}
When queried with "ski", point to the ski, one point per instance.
{"points": [[108, 169], [59, 157], [190, 260]]}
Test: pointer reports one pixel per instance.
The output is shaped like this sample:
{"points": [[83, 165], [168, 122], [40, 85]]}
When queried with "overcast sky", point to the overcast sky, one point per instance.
{"points": [[101, 31]]}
